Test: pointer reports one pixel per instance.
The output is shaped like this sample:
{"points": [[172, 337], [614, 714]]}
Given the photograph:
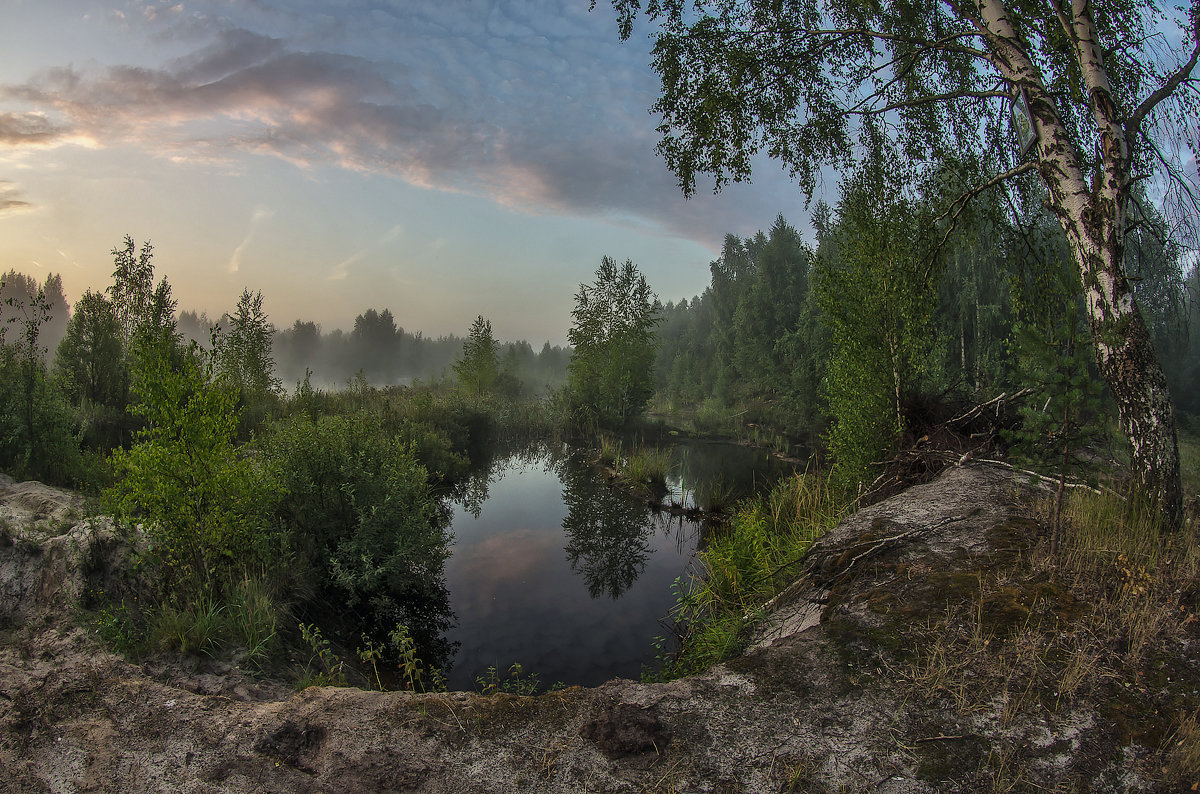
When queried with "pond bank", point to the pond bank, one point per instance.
{"points": [[840, 690]]}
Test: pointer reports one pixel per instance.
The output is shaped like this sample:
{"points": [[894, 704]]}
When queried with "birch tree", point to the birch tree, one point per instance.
{"points": [[1113, 99]]}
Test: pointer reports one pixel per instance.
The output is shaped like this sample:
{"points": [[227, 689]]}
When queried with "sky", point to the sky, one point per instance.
{"points": [[441, 159]]}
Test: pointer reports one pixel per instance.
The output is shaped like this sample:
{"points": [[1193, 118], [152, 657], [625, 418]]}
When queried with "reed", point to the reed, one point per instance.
{"points": [[746, 564]]}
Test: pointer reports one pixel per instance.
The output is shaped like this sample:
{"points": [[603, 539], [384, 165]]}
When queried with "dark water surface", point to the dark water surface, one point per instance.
{"points": [[556, 571]]}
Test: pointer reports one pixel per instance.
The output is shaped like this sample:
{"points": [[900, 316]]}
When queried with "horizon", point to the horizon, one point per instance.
{"points": [[441, 161]]}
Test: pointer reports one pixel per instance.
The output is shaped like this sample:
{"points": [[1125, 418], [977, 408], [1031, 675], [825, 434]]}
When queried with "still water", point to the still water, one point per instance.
{"points": [[554, 570]]}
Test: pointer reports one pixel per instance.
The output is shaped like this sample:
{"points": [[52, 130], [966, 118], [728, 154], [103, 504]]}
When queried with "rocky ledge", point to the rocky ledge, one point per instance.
{"points": [[894, 664]]}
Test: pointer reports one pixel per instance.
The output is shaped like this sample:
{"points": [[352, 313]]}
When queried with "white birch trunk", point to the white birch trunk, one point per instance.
{"points": [[1094, 219]]}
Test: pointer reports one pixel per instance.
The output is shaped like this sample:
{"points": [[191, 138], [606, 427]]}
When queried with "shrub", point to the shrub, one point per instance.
{"points": [[358, 507], [203, 507]]}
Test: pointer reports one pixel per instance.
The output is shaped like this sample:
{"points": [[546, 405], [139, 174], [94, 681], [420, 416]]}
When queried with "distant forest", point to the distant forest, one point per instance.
{"points": [[383, 352], [894, 314], [847, 342]]}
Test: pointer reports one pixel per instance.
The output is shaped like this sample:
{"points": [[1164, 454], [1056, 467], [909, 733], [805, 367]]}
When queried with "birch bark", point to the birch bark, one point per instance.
{"points": [[1094, 218]]}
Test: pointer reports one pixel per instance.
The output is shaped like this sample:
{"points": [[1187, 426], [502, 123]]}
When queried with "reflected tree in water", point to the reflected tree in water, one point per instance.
{"points": [[491, 462], [608, 534]]}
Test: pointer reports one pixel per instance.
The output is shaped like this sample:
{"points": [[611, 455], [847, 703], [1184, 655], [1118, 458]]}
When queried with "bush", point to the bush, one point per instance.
{"points": [[744, 566], [358, 507], [204, 508]]}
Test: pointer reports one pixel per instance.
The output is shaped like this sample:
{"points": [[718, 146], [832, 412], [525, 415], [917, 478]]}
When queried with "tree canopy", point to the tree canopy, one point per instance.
{"points": [[611, 374], [1112, 100]]}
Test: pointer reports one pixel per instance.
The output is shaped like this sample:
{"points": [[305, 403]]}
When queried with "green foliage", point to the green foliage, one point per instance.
{"points": [[331, 670], [610, 377], [39, 433], [89, 356], [192, 627], [1062, 417], [874, 289], [414, 674], [845, 83], [413, 671], [120, 627], [144, 310], [132, 290], [360, 513], [241, 620], [252, 616], [752, 340], [478, 368], [743, 566], [516, 682], [244, 357], [203, 508]]}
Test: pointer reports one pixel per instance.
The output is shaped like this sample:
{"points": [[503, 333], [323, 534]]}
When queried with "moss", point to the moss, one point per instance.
{"points": [[1133, 718], [946, 759], [781, 674], [1021, 603], [1012, 539], [502, 710]]}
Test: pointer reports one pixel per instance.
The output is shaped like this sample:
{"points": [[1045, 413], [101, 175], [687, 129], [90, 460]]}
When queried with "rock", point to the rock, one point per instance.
{"points": [[624, 729], [33, 501], [822, 701]]}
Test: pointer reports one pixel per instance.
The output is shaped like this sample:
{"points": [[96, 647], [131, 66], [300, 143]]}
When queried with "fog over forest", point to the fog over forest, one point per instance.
{"points": [[376, 346]]}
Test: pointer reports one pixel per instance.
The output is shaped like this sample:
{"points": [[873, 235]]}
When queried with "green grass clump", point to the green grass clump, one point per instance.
{"points": [[648, 466], [745, 565], [240, 622]]}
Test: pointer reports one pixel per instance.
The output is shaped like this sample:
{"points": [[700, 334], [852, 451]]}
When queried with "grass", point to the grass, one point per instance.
{"points": [[746, 564], [241, 623], [643, 470], [648, 466], [1183, 749], [609, 451], [1100, 618], [713, 496], [1189, 462]]}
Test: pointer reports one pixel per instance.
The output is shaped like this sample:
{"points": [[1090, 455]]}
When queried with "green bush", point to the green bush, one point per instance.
{"points": [[358, 508], [745, 565], [203, 506]]}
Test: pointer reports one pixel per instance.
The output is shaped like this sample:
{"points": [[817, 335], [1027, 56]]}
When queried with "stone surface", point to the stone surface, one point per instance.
{"points": [[816, 704]]}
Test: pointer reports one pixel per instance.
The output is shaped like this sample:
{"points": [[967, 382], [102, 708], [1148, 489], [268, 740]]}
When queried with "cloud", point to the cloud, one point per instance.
{"points": [[259, 215], [10, 201], [27, 129], [342, 269], [522, 101]]}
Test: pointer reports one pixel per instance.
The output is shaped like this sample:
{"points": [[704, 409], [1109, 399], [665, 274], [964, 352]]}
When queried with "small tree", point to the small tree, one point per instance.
{"points": [[91, 369], [203, 507], [611, 374], [478, 366], [145, 313], [877, 301], [245, 359], [132, 290], [89, 356]]}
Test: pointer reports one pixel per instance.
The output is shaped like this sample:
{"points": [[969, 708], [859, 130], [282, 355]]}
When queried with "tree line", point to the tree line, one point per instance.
{"points": [[854, 340], [1085, 103]]}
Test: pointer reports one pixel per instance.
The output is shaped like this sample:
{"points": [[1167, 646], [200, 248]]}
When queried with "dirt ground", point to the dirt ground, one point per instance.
{"points": [[833, 694]]}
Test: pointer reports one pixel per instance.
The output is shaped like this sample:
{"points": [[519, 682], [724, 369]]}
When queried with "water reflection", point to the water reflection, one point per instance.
{"points": [[607, 534], [553, 569]]}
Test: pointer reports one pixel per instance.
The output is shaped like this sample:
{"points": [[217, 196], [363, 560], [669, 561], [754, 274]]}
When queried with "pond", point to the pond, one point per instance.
{"points": [[553, 569]]}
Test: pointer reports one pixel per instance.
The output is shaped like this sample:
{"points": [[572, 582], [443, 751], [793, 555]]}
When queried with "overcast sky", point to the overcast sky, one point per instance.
{"points": [[441, 159]]}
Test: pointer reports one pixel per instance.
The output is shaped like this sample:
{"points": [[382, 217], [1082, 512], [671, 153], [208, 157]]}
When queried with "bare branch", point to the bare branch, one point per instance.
{"points": [[908, 103], [963, 199], [959, 204], [1173, 82]]}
